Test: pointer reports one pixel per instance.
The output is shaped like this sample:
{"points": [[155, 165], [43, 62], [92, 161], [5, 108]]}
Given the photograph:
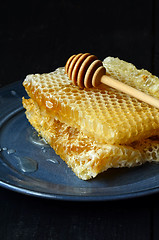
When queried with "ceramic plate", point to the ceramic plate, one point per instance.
{"points": [[28, 165]]}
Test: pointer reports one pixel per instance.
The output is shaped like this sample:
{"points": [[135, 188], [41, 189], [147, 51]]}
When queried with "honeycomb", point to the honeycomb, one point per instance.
{"points": [[149, 149], [129, 74], [104, 114], [88, 158]]}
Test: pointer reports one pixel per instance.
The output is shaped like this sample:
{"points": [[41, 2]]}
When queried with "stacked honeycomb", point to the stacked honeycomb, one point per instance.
{"points": [[94, 129]]}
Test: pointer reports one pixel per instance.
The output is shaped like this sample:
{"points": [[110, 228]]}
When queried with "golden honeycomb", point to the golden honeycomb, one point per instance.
{"points": [[104, 114], [126, 72]]}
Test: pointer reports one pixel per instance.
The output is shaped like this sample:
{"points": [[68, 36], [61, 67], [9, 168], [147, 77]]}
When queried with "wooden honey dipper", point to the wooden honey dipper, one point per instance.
{"points": [[85, 70]]}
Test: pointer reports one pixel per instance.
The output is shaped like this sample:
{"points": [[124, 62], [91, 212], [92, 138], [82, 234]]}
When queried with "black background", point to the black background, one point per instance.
{"points": [[40, 36]]}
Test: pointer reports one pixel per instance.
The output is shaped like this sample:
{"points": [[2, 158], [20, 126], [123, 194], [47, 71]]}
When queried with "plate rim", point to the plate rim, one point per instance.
{"points": [[76, 198]]}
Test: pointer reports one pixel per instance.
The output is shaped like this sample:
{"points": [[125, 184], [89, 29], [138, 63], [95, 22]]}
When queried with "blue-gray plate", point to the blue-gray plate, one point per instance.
{"points": [[29, 166]]}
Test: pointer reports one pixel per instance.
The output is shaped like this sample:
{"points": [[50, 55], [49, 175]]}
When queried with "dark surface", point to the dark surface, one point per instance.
{"points": [[39, 37]]}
